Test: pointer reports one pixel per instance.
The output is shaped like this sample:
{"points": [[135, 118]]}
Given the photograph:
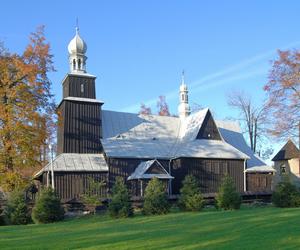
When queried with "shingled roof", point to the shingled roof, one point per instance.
{"points": [[288, 151]]}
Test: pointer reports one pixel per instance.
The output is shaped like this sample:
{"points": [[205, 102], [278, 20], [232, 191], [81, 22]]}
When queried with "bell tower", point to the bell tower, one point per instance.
{"points": [[183, 107], [79, 129]]}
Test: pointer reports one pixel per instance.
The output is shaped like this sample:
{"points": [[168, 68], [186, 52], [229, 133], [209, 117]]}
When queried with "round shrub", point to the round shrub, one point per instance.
{"points": [[155, 199], [16, 211], [228, 197], [286, 195], [47, 208], [190, 198], [120, 205]]}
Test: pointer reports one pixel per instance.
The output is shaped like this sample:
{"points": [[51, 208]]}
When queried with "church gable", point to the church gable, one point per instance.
{"points": [[209, 129], [288, 151], [155, 168]]}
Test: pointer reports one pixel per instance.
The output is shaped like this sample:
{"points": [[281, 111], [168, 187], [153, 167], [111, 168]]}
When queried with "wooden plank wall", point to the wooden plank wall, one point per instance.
{"points": [[71, 185], [209, 173], [259, 182], [80, 131], [72, 87]]}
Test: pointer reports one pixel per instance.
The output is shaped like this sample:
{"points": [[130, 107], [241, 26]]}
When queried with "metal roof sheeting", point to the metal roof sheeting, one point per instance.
{"points": [[163, 137], [77, 163], [153, 136]]}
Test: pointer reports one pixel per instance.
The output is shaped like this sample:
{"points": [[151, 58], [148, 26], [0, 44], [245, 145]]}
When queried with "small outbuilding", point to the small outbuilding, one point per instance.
{"points": [[287, 163]]}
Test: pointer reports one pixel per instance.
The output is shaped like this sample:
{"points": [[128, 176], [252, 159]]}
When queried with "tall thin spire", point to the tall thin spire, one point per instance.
{"points": [[77, 26], [182, 77]]}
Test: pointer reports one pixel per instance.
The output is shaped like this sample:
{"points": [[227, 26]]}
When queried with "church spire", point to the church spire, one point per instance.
{"points": [[183, 107], [77, 49]]}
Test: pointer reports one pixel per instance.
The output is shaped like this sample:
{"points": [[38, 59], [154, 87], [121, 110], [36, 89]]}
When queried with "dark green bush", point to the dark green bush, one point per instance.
{"points": [[120, 205], [191, 198], [228, 197], [286, 195], [155, 199], [47, 208], [2, 217], [16, 211]]}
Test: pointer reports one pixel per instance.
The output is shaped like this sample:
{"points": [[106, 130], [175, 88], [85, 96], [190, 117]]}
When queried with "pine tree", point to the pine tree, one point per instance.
{"points": [[17, 211], [47, 208], [120, 205], [155, 199], [228, 197], [190, 195]]}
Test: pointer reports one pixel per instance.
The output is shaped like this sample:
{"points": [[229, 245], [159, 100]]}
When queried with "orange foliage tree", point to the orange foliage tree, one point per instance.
{"points": [[162, 106], [283, 89], [144, 110], [27, 110]]}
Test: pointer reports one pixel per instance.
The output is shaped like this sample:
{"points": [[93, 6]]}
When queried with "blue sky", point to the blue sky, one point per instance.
{"points": [[137, 49]]}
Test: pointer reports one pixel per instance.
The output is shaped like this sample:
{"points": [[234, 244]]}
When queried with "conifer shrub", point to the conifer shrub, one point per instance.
{"points": [[16, 211], [2, 217], [228, 197], [286, 195], [120, 205], [155, 199], [191, 198], [47, 208], [92, 198]]}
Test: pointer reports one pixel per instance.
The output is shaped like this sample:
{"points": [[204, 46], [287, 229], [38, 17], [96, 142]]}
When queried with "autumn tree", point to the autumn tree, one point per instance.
{"points": [[283, 90], [26, 109], [162, 106], [252, 117], [144, 110]]}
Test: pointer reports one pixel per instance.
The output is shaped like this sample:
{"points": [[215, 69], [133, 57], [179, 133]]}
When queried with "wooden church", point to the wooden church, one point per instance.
{"points": [[103, 144]]}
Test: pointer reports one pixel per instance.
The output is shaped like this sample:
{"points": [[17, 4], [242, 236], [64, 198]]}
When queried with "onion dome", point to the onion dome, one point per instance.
{"points": [[77, 45]]}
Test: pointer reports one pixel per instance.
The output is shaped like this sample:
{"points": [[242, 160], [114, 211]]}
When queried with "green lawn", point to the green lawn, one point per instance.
{"points": [[249, 228]]}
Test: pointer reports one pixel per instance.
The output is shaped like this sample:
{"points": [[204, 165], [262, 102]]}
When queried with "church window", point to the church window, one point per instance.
{"points": [[81, 88], [182, 97], [74, 64], [79, 64]]}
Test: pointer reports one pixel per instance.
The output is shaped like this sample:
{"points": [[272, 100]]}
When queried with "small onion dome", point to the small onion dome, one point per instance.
{"points": [[77, 45]]}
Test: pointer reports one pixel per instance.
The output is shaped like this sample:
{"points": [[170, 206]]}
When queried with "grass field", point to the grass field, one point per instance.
{"points": [[248, 228]]}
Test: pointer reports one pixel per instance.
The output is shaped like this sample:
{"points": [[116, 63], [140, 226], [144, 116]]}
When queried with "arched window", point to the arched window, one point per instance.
{"points": [[81, 88], [74, 64], [182, 97], [79, 64]]}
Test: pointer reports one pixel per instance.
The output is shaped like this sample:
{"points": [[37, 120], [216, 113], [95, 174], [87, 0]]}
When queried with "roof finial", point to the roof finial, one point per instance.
{"points": [[77, 26], [182, 77]]}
